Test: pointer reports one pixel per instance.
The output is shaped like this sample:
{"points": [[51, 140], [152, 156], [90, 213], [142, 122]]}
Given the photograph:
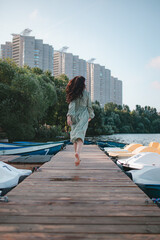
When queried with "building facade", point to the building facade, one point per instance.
{"points": [[99, 83], [69, 64], [26, 50], [116, 91], [6, 50]]}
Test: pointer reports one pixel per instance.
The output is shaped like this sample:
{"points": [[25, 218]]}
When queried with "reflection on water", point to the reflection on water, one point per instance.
{"points": [[144, 139]]}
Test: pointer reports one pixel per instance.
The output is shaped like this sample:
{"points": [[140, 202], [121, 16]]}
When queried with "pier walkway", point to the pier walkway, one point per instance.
{"points": [[92, 201]]}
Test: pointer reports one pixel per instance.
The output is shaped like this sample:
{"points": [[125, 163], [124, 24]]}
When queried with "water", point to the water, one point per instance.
{"points": [[143, 139]]}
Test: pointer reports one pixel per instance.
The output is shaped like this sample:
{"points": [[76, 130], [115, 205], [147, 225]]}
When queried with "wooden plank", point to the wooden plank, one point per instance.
{"points": [[85, 228], [77, 209], [79, 220], [77, 236]]}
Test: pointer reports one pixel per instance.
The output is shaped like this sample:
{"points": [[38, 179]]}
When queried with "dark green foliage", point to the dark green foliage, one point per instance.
{"points": [[156, 125], [48, 133], [24, 99], [96, 125], [122, 120], [7, 71], [57, 113]]}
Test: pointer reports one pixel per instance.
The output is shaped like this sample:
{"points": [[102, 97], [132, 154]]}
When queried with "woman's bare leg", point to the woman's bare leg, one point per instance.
{"points": [[78, 151], [75, 146]]}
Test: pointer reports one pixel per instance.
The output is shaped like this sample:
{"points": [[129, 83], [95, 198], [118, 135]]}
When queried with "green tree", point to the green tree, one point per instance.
{"points": [[24, 100], [57, 113], [156, 125], [96, 125]]}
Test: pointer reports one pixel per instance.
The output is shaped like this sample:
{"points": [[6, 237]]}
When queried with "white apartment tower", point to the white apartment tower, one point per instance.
{"points": [[107, 85], [116, 91], [98, 83], [83, 68], [6, 50], [93, 81], [63, 64], [69, 64], [32, 52]]}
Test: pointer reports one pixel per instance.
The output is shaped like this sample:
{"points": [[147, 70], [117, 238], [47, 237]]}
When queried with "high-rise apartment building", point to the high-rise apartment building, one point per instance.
{"points": [[98, 83], [32, 52], [57, 67], [116, 91], [83, 68], [93, 81], [6, 50], [63, 64], [119, 87], [69, 64], [107, 85]]}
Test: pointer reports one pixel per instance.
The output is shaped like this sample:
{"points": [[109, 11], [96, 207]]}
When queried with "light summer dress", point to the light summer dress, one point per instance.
{"points": [[80, 110]]}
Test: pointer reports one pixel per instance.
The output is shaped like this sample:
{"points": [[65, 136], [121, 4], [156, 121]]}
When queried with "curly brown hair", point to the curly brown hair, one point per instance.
{"points": [[75, 88]]}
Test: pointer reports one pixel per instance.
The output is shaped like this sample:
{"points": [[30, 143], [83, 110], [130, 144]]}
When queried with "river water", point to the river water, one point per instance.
{"points": [[144, 139]]}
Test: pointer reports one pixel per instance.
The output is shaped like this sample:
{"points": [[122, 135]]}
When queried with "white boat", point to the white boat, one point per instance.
{"points": [[148, 179], [129, 148], [11, 177], [147, 175], [140, 160], [138, 150]]}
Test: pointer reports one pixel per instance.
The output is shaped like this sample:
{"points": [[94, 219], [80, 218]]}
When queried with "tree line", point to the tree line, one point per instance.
{"points": [[33, 107], [115, 118]]}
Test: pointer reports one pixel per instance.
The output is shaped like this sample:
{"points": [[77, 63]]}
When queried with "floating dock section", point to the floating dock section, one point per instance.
{"points": [[95, 200]]}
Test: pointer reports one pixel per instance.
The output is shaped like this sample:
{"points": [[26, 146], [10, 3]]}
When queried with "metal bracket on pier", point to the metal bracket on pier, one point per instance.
{"points": [[149, 201], [3, 198]]}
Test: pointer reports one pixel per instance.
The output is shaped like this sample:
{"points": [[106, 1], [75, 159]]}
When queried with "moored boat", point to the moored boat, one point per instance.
{"points": [[11, 177], [127, 149], [26, 143], [122, 155], [45, 149], [139, 161], [110, 144], [148, 179]]}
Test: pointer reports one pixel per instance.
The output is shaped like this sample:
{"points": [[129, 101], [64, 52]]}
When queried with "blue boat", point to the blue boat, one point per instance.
{"points": [[44, 149], [86, 142], [8, 146], [26, 143], [103, 144]]}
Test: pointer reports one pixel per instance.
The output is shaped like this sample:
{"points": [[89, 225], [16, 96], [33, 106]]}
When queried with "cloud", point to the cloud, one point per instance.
{"points": [[34, 15], [155, 63], [156, 85]]}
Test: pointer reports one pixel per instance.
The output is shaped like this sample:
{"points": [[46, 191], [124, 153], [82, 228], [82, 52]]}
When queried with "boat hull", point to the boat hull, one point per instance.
{"points": [[153, 191], [110, 144], [49, 149]]}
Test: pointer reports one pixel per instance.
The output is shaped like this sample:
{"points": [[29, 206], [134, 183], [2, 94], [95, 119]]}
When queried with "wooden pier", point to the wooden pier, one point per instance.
{"points": [[95, 200]]}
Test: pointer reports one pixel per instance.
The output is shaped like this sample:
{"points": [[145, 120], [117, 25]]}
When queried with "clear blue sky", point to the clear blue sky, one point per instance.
{"points": [[123, 35]]}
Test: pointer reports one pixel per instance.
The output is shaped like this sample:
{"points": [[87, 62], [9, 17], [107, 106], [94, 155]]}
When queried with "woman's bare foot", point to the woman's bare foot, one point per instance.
{"points": [[77, 162]]}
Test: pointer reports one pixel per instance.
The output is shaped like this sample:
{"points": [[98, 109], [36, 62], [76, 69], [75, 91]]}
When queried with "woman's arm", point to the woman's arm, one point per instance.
{"points": [[90, 109], [71, 113]]}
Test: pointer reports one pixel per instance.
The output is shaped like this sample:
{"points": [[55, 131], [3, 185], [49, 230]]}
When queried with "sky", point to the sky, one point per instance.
{"points": [[122, 35]]}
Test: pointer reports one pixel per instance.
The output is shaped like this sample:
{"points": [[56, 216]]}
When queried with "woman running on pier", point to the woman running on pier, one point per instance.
{"points": [[80, 112]]}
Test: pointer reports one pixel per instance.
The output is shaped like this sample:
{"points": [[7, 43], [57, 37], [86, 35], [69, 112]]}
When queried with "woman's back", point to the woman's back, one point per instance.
{"points": [[81, 102]]}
